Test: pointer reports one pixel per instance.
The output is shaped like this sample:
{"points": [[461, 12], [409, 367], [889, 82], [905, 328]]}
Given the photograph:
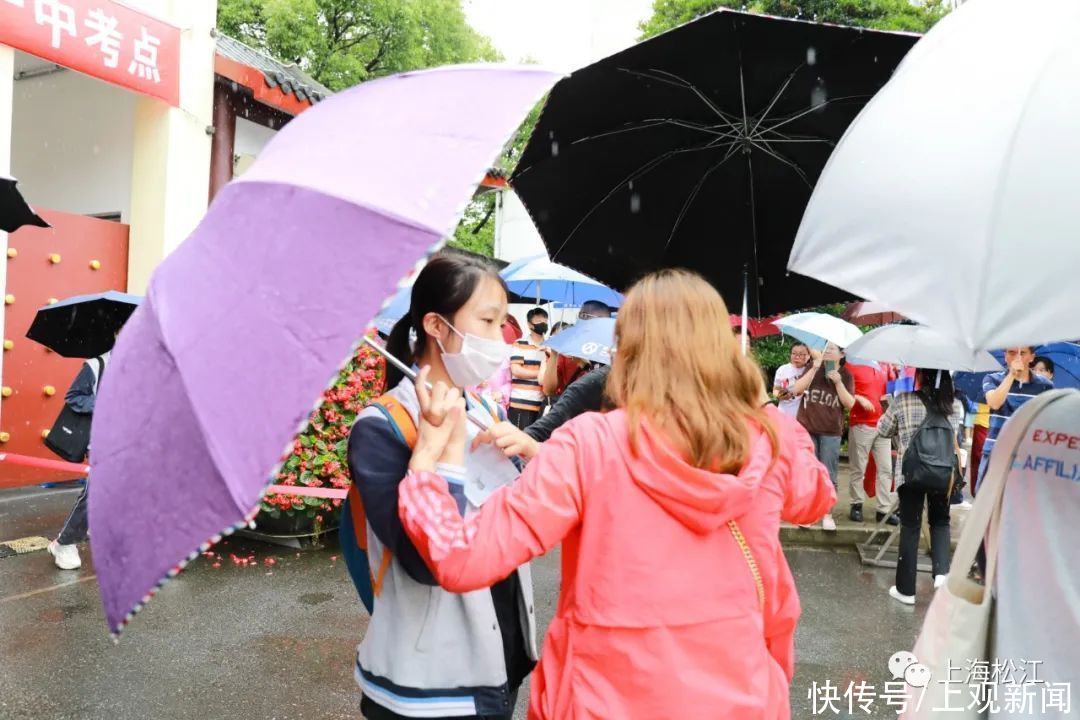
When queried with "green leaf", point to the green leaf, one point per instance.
{"points": [[305, 441], [306, 477], [313, 501]]}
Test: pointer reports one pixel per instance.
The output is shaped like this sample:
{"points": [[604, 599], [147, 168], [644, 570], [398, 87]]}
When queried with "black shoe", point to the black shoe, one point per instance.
{"points": [[856, 512], [894, 519]]}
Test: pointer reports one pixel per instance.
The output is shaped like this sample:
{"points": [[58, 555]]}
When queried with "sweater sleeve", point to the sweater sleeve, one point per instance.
{"points": [[517, 523], [378, 459], [584, 395], [80, 396]]}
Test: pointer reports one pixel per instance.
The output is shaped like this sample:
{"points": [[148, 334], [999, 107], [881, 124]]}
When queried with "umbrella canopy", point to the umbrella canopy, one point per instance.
{"points": [[538, 277], [921, 347], [966, 221], [871, 313], [83, 326], [14, 211], [699, 148], [590, 340], [245, 323], [816, 329], [756, 327]]}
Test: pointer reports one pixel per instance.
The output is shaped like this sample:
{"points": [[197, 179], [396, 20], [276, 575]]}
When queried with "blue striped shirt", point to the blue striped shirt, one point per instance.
{"points": [[1019, 394]]}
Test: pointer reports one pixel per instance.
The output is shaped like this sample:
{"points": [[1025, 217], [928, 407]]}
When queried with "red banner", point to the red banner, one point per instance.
{"points": [[102, 38]]}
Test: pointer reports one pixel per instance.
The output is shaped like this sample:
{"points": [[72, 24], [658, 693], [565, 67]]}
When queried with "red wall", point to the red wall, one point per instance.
{"points": [[33, 279]]}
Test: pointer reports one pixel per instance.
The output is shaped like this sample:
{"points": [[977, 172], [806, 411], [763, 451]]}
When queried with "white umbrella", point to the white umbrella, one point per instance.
{"points": [[921, 347], [952, 197], [815, 329]]}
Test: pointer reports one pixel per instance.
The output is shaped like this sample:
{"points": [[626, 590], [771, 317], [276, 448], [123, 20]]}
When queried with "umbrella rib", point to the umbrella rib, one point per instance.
{"points": [[697, 189], [656, 122], [742, 96], [772, 153], [776, 98], [815, 108], [672, 79], [628, 179]]}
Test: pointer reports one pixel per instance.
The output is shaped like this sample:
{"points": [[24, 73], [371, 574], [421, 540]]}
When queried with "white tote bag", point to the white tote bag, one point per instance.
{"points": [[957, 626]]}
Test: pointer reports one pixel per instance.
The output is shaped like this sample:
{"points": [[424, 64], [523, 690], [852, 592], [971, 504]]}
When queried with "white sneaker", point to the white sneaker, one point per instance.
{"points": [[828, 523], [901, 597], [65, 556], [940, 580]]}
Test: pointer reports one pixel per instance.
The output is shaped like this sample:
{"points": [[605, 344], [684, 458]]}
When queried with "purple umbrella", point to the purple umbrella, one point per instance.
{"points": [[247, 321]]}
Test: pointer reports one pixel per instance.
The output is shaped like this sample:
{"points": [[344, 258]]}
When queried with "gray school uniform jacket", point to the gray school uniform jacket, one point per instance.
{"points": [[427, 652]]}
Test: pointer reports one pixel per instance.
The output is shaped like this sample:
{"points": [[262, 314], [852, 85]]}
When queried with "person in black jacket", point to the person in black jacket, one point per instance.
{"points": [[80, 398], [583, 395]]}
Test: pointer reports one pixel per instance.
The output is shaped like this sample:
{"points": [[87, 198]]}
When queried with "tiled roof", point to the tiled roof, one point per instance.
{"points": [[290, 79]]}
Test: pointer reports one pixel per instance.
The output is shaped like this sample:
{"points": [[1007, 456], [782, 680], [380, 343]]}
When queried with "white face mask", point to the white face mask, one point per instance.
{"points": [[478, 359]]}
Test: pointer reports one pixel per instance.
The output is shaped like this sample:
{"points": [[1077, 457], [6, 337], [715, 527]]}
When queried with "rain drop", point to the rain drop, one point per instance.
{"points": [[818, 97], [635, 203], [875, 58], [554, 148], [811, 56], [96, 149]]}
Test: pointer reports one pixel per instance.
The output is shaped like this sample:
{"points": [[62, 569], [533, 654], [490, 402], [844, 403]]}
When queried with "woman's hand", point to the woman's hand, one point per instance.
{"points": [[512, 441], [815, 358], [441, 436], [865, 403]]}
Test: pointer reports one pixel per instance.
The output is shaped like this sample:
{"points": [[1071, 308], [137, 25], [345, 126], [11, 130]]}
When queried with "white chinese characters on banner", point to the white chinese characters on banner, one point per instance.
{"points": [[144, 64], [56, 14], [105, 36]]}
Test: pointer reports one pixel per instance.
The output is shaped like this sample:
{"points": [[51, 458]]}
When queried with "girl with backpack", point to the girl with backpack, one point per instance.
{"points": [[925, 423], [427, 652]]}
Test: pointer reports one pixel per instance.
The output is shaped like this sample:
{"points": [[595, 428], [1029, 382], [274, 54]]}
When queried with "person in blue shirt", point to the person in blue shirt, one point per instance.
{"points": [[1006, 392]]}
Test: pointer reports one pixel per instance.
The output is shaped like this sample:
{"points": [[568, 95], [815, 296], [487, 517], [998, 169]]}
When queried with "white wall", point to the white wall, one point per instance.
{"points": [[249, 141], [72, 143], [251, 138], [515, 235]]}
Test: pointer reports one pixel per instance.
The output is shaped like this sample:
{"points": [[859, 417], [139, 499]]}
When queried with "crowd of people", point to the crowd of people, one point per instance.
{"points": [[820, 388]]}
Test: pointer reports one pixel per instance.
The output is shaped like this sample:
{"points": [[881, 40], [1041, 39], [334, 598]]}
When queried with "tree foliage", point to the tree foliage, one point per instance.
{"points": [[877, 14], [343, 42]]}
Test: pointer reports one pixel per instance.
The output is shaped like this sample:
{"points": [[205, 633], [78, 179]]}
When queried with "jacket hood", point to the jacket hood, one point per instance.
{"points": [[699, 499]]}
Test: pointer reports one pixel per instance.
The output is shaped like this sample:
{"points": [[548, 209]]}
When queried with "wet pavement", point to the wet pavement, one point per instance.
{"points": [[278, 641]]}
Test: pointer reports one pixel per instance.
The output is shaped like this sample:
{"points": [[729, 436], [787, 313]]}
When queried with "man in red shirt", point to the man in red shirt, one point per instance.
{"points": [[871, 383]]}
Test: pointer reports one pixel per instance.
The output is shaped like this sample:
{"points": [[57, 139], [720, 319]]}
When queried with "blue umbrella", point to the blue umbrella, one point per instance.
{"points": [[1066, 357], [590, 340], [399, 305], [540, 278]]}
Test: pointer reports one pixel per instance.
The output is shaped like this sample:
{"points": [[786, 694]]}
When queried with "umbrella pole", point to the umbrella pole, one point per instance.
{"points": [[745, 334]]}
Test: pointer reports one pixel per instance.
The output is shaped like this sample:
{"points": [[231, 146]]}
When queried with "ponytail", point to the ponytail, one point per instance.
{"points": [[399, 345]]}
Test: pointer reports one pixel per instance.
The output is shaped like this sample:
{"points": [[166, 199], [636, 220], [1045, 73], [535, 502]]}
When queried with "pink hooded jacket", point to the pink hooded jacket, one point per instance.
{"points": [[659, 615]]}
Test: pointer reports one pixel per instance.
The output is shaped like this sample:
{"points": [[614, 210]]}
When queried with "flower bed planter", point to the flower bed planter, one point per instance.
{"points": [[319, 456]]}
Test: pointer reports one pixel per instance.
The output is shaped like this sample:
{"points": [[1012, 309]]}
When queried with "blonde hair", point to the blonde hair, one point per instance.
{"points": [[679, 366]]}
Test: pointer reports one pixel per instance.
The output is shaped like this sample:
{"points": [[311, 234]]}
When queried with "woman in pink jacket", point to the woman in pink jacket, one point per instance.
{"points": [[676, 599]]}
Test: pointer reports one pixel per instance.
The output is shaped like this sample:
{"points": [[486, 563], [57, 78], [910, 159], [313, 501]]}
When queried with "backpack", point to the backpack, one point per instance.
{"points": [[352, 532], [930, 458], [70, 434]]}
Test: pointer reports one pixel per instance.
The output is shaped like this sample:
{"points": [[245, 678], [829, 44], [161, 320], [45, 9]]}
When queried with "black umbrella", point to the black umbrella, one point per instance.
{"points": [[699, 148], [14, 212], [83, 326]]}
